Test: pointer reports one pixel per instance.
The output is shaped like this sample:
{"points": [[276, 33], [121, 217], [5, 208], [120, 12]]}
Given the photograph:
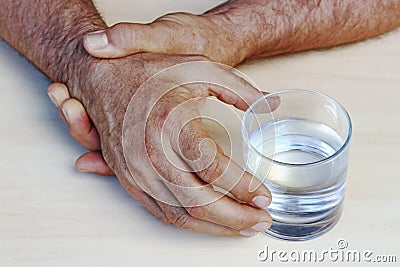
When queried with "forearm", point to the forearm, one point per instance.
{"points": [[49, 33], [270, 27]]}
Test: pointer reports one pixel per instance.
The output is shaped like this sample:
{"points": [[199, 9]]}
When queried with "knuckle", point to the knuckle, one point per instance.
{"points": [[123, 35], [178, 217], [182, 221], [120, 27], [242, 221], [213, 171], [198, 212]]}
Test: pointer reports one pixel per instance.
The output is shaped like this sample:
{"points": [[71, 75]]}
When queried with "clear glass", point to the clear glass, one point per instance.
{"points": [[300, 151]]}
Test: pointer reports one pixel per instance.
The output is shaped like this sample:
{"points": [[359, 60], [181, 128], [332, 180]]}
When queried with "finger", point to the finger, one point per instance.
{"points": [[128, 183], [227, 85], [205, 157], [182, 219], [178, 216], [238, 92], [93, 162], [58, 93], [79, 124], [202, 202], [191, 142], [199, 197], [125, 39], [148, 202]]}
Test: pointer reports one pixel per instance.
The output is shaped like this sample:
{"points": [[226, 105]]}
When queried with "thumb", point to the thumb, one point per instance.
{"points": [[125, 39]]}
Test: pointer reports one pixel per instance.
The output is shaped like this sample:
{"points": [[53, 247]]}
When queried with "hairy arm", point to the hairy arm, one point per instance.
{"points": [[235, 31], [49, 34], [241, 29], [270, 27]]}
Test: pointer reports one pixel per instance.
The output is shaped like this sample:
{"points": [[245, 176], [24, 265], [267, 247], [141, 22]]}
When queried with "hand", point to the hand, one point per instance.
{"points": [[81, 128], [176, 33], [170, 34], [202, 210]]}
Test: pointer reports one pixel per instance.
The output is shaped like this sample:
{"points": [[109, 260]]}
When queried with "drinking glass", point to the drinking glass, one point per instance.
{"points": [[300, 151]]}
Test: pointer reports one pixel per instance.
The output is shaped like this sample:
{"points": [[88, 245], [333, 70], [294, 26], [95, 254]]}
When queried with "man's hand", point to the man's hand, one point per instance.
{"points": [[243, 29], [81, 128], [49, 34], [200, 207], [226, 34], [209, 35]]}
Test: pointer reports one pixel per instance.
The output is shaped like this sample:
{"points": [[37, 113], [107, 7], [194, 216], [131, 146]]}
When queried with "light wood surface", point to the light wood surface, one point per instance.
{"points": [[51, 215]]}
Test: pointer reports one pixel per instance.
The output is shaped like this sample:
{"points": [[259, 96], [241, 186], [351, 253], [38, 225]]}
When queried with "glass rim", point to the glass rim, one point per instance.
{"points": [[334, 155]]}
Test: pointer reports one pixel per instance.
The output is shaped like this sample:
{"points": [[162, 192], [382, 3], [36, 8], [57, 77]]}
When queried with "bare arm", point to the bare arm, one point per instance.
{"points": [[280, 26], [241, 29], [49, 34], [233, 32]]}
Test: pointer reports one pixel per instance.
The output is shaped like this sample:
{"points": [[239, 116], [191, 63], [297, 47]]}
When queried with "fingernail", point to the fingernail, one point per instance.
{"points": [[53, 99], [57, 96], [96, 40], [261, 227], [248, 232], [65, 113], [70, 111], [274, 102], [261, 201]]}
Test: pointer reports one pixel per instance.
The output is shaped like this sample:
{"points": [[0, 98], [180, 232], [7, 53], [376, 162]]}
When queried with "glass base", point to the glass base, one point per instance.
{"points": [[304, 231]]}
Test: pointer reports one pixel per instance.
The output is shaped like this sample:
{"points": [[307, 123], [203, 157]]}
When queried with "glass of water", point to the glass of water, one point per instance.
{"points": [[300, 151]]}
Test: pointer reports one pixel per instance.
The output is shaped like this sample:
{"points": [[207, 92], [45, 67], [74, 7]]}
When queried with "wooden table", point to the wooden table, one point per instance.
{"points": [[51, 215]]}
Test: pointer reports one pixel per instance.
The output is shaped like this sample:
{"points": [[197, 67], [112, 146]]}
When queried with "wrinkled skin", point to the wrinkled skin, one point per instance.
{"points": [[179, 34], [202, 209], [50, 33], [246, 33]]}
